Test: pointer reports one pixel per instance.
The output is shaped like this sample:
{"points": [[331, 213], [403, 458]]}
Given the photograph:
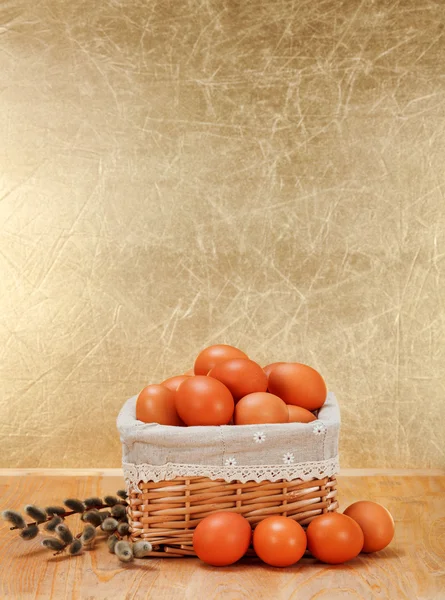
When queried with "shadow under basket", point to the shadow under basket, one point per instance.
{"points": [[166, 513]]}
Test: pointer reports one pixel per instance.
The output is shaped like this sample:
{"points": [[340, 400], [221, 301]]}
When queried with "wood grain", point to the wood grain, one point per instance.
{"points": [[412, 567]]}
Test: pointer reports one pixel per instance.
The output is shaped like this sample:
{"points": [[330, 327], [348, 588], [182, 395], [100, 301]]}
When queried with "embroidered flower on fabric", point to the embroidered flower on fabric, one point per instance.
{"points": [[288, 458], [319, 428], [259, 437], [231, 462]]}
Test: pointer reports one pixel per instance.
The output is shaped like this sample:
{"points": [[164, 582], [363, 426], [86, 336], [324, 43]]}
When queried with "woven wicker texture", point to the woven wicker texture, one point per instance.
{"points": [[166, 513]]}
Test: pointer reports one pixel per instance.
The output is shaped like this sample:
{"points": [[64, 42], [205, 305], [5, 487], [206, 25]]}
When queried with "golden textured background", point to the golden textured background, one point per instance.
{"points": [[268, 174]]}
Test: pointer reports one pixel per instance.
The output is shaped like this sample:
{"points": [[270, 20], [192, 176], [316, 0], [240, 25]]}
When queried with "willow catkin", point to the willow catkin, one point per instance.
{"points": [[75, 505], [123, 551], [111, 542], [15, 518], [52, 523], [109, 525], [55, 510], [64, 533], [122, 494], [35, 512], [123, 529], [53, 544], [30, 532], [111, 500], [75, 547], [88, 534], [93, 502], [93, 517], [141, 549], [119, 511]]}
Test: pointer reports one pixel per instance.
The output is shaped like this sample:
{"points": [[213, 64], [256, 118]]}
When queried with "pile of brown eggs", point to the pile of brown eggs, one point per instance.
{"points": [[227, 387]]}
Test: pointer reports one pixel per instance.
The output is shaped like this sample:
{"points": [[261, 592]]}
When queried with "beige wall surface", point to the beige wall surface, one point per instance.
{"points": [[263, 173]]}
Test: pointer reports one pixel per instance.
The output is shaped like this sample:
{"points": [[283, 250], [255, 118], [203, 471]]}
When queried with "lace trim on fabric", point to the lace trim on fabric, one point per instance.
{"points": [[134, 474]]}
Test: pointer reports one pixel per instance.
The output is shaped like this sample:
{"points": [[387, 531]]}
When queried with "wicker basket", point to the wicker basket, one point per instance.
{"points": [[166, 511]]}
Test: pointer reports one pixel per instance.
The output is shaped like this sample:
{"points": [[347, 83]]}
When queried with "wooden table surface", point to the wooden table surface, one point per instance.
{"points": [[413, 566]]}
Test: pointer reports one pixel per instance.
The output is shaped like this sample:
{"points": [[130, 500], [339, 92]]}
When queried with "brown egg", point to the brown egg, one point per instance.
{"points": [[173, 382], [260, 407], [241, 375], [212, 355], [298, 384], [202, 400], [300, 415], [156, 404], [376, 523], [334, 538], [268, 368]]}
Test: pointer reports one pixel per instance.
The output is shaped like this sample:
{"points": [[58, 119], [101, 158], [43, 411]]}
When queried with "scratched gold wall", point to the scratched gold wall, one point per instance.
{"points": [[268, 174]]}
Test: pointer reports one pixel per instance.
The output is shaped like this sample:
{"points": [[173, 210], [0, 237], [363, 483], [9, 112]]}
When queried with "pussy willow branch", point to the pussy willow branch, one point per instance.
{"points": [[68, 513]]}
